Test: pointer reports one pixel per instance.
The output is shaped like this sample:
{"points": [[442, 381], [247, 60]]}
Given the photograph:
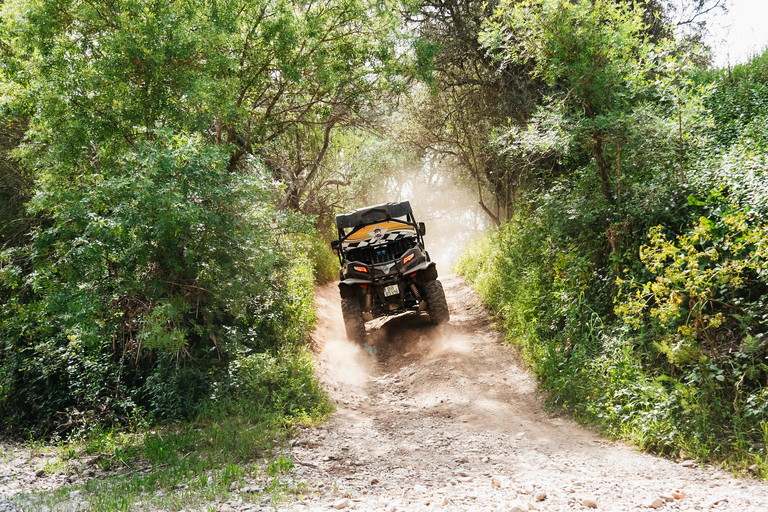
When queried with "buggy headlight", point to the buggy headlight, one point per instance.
{"points": [[409, 258]]}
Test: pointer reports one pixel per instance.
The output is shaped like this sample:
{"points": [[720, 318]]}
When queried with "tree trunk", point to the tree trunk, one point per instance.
{"points": [[602, 169]]}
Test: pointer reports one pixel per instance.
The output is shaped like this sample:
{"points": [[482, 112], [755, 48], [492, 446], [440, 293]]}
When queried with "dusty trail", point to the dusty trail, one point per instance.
{"points": [[445, 418]]}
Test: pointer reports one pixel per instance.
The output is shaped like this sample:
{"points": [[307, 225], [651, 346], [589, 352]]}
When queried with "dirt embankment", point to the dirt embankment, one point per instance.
{"points": [[446, 418]]}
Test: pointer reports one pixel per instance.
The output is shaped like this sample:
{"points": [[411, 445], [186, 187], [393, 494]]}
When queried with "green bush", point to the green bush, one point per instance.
{"points": [[263, 384], [648, 317], [739, 97], [325, 265], [145, 285], [701, 319], [684, 373]]}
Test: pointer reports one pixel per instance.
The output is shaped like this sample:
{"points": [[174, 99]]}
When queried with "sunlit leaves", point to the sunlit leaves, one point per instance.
{"points": [[590, 47], [701, 280], [597, 59]]}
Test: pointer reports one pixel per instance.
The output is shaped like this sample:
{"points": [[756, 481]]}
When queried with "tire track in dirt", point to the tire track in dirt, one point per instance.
{"points": [[446, 418]]}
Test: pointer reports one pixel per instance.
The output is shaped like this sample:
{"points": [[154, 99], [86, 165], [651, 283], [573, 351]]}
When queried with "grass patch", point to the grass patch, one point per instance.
{"points": [[232, 451], [173, 468]]}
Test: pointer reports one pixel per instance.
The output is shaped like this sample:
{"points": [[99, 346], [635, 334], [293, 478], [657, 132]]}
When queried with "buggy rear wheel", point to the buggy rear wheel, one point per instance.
{"points": [[437, 306], [353, 319]]}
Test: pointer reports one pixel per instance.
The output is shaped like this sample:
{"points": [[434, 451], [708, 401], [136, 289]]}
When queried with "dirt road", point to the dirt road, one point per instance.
{"points": [[446, 418]]}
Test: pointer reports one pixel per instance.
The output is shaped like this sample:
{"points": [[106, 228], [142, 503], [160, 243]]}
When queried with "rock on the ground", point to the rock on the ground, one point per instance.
{"points": [[8, 506], [589, 502], [341, 503]]}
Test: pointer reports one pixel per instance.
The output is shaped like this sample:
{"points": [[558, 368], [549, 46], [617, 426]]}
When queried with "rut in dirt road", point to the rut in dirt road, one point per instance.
{"points": [[447, 418]]}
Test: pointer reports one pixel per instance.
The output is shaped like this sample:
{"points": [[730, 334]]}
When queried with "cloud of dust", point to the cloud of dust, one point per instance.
{"points": [[347, 363], [449, 342], [452, 216]]}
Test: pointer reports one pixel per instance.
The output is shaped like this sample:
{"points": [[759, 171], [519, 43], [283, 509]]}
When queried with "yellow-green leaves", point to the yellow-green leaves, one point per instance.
{"points": [[700, 279]]}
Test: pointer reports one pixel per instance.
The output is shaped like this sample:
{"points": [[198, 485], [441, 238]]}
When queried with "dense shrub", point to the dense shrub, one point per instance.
{"points": [[146, 284], [266, 384], [648, 317], [157, 258], [325, 265], [655, 379], [739, 97]]}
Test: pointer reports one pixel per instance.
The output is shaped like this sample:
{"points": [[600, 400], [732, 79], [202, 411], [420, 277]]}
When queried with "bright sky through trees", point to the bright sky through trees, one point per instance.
{"points": [[739, 33]]}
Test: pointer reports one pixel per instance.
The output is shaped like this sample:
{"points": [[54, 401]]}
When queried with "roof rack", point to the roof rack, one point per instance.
{"points": [[373, 214]]}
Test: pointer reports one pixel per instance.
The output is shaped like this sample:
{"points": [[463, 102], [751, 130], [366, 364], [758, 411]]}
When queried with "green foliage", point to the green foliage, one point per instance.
{"points": [[646, 317], [324, 264], [279, 466], [739, 97], [702, 284], [15, 185], [162, 259], [593, 48], [738, 171], [595, 57], [263, 384], [147, 281], [703, 314]]}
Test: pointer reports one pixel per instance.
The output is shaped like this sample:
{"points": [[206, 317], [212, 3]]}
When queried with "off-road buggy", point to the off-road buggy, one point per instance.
{"points": [[385, 269]]}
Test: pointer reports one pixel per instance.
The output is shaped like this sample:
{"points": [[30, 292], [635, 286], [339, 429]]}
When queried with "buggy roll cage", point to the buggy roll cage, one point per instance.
{"points": [[364, 217]]}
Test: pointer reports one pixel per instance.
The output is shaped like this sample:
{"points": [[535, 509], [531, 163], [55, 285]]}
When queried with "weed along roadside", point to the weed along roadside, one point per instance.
{"points": [[233, 453]]}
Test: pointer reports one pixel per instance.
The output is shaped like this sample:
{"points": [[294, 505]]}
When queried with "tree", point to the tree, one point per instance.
{"points": [[245, 73], [467, 96], [150, 124], [692, 12], [594, 54], [452, 128]]}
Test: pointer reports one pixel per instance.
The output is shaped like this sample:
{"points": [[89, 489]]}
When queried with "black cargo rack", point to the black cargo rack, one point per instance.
{"points": [[373, 214]]}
